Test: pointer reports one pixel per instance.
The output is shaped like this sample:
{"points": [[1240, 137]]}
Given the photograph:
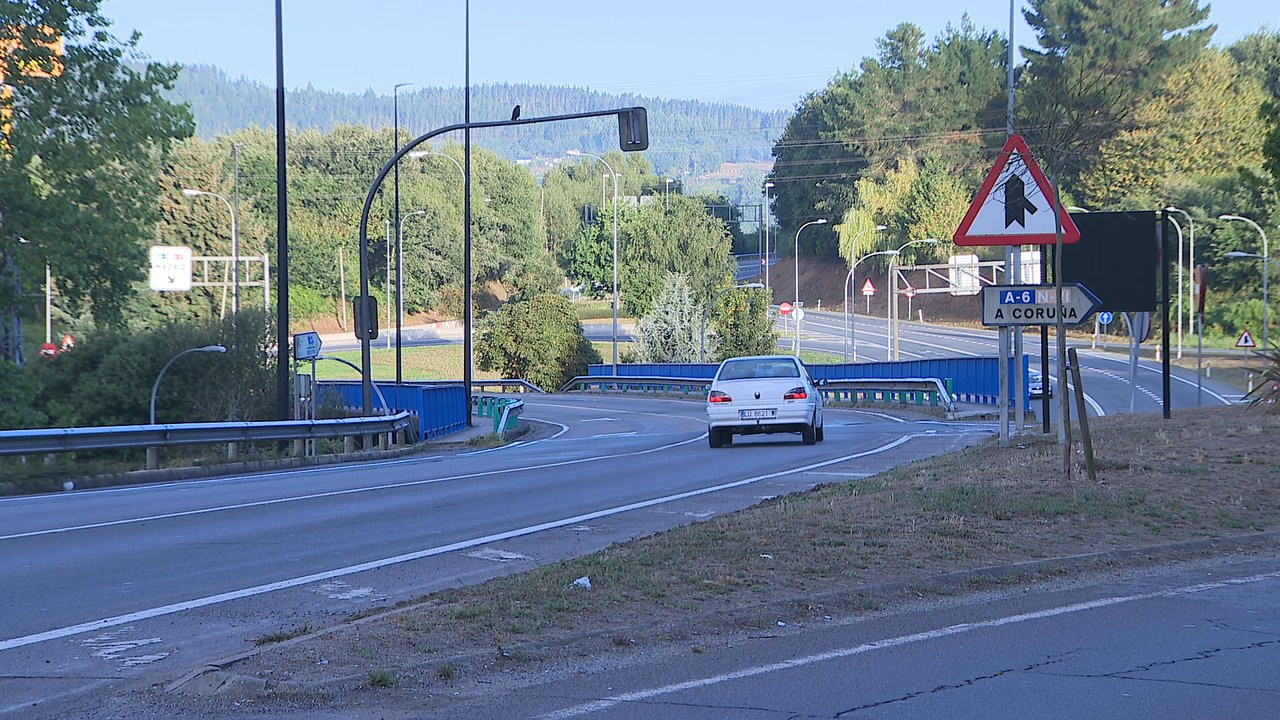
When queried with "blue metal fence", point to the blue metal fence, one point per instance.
{"points": [[441, 409], [969, 379]]}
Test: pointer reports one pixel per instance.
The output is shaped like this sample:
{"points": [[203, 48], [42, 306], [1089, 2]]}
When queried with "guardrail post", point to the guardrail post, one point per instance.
{"points": [[233, 451], [153, 458], [349, 444], [299, 447]]}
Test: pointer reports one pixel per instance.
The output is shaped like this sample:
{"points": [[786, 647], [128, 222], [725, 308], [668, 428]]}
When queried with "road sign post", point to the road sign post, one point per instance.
{"points": [[1016, 206]]}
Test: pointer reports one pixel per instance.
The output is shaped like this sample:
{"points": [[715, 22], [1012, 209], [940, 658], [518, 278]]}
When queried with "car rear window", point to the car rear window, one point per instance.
{"points": [[751, 369]]}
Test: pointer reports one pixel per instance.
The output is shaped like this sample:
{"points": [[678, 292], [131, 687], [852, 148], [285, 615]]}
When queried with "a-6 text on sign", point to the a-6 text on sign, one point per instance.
{"points": [[1036, 304]]}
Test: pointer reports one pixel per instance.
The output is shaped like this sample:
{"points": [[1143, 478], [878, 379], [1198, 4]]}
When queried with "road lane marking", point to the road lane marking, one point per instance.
{"points": [[338, 493], [861, 649], [347, 465], [117, 620]]}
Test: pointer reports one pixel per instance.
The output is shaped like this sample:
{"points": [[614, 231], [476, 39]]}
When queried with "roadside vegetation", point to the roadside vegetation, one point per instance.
{"points": [[841, 549]]}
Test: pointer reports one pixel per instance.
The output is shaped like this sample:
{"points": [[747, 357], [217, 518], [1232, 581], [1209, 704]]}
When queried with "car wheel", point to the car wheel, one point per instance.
{"points": [[727, 437], [819, 434], [714, 438], [809, 435]]}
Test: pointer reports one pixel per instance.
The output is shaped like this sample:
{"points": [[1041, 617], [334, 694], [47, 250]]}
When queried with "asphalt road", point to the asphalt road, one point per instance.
{"points": [[1183, 642], [108, 589], [1105, 375]]}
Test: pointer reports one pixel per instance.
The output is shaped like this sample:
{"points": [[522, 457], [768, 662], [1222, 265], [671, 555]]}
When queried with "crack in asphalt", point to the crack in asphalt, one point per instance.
{"points": [[1054, 659], [1132, 673], [1224, 625]]}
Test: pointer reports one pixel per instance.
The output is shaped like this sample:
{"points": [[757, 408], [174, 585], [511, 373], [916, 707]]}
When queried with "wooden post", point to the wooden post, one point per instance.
{"points": [[1085, 438]]}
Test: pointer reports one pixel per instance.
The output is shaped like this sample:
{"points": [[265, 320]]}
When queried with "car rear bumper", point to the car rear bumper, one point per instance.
{"points": [[789, 418]]}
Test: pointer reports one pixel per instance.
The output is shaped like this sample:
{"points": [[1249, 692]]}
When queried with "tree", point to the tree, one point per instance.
{"points": [[912, 100], [669, 332], [1097, 62], [1202, 122], [539, 339], [677, 235], [743, 325], [88, 143]]}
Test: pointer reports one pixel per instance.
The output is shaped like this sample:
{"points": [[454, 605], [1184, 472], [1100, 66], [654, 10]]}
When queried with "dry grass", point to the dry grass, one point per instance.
{"points": [[1202, 474]]}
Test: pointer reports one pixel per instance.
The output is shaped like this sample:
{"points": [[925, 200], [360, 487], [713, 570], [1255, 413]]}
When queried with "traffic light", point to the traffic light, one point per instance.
{"points": [[588, 214], [633, 129], [364, 309]]}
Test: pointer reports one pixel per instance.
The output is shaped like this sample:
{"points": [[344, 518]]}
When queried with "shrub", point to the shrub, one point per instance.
{"points": [[107, 378], [539, 340], [18, 391]]}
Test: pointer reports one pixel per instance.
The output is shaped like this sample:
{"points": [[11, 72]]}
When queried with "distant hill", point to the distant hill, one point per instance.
{"points": [[687, 138]]}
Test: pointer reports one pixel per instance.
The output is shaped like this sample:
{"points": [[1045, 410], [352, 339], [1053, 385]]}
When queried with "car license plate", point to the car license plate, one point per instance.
{"points": [[764, 414]]}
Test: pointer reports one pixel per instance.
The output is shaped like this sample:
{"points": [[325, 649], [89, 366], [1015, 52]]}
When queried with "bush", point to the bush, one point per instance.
{"points": [[18, 392], [107, 378], [539, 340]]}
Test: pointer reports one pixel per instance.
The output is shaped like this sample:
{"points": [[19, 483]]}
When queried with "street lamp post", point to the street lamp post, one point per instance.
{"points": [[156, 386], [1178, 314], [706, 313], [395, 122], [891, 313], [768, 216], [851, 342], [1191, 264], [613, 172], [417, 155], [1266, 318], [235, 246], [400, 287], [819, 221]]}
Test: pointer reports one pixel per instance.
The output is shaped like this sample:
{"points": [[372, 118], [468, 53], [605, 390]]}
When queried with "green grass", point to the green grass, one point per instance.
{"points": [[383, 679]]}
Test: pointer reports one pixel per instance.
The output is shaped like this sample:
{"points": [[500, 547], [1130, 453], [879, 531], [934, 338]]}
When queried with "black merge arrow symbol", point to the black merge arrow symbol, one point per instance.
{"points": [[1016, 204]]}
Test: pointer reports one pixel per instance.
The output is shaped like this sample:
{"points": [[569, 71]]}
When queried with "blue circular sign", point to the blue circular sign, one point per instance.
{"points": [[1105, 318]]}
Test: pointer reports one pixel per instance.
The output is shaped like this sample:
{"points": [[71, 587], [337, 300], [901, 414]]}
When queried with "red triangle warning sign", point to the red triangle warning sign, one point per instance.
{"points": [[1015, 205], [1246, 340]]}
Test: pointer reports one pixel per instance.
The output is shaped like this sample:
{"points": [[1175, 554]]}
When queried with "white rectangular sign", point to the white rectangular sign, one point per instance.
{"points": [[170, 268]]}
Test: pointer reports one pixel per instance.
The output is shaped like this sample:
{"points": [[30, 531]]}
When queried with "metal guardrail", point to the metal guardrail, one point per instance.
{"points": [[507, 385], [120, 437], [630, 383], [902, 391], [504, 411]]}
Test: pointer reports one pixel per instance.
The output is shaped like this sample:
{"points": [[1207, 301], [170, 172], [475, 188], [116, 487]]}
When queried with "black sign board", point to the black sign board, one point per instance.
{"points": [[1116, 258]]}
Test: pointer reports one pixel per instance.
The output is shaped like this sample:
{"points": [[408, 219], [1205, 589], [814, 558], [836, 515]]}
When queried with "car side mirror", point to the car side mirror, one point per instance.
{"points": [[822, 382]]}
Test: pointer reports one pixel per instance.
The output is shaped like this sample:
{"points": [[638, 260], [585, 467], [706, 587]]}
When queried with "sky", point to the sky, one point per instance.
{"points": [[766, 55]]}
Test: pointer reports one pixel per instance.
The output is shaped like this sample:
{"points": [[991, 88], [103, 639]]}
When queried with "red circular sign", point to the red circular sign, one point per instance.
{"points": [[910, 292], [784, 308]]}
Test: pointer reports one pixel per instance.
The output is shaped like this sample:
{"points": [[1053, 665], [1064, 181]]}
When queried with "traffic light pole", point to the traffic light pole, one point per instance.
{"points": [[633, 135]]}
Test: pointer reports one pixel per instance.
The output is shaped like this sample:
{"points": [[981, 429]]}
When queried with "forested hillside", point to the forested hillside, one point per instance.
{"points": [[688, 137]]}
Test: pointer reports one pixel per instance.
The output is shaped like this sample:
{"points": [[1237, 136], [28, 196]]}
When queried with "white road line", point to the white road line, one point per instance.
{"points": [[352, 491], [644, 695], [337, 467], [140, 615]]}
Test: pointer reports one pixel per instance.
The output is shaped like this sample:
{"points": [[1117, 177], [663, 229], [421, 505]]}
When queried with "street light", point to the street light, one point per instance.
{"points": [[235, 246], [767, 217], [891, 313], [1191, 263], [577, 153], [418, 155], [395, 122], [848, 294], [156, 387], [665, 193], [849, 316], [1178, 314], [819, 221], [702, 350], [400, 287], [1266, 318]]}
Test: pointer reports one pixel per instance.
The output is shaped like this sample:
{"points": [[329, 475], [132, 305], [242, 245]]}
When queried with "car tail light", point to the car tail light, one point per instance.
{"points": [[717, 396], [796, 394]]}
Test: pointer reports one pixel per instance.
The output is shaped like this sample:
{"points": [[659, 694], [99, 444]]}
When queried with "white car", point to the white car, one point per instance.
{"points": [[1035, 385], [763, 394]]}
